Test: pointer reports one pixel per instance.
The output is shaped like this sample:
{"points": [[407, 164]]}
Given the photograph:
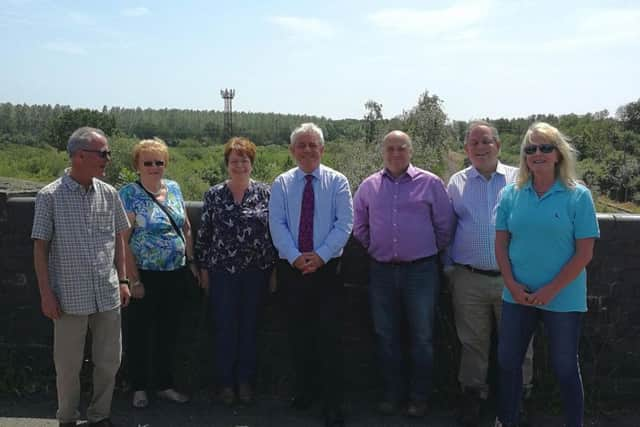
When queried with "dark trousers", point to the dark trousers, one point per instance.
{"points": [[563, 332], [235, 299], [314, 307], [153, 325]]}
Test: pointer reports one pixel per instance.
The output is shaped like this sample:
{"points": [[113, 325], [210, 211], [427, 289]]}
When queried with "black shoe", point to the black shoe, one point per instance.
{"points": [[333, 417], [301, 402], [69, 424], [102, 423], [469, 411], [525, 412]]}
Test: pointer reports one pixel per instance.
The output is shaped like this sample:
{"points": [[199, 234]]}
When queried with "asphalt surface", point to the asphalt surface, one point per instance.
{"points": [[202, 411]]}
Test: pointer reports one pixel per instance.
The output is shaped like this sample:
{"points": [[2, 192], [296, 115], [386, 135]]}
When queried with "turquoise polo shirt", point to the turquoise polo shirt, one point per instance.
{"points": [[543, 238]]}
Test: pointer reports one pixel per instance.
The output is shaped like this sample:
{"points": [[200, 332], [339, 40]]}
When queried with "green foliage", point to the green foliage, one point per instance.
{"points": [[40, 164], [61, 128]]}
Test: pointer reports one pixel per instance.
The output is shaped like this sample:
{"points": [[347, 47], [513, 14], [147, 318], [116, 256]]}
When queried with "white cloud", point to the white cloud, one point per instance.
{"points": [[65, 47], [134, 11], [458, 18], [304, 27]]}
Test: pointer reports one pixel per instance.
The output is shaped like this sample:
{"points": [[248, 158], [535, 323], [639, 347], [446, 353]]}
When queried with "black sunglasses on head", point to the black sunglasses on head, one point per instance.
{"points": [[544, 148], [105, 154], [149, 163]]}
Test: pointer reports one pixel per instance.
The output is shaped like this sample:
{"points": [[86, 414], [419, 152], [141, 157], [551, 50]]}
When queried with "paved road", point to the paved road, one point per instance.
{"points": [[39, 412]]}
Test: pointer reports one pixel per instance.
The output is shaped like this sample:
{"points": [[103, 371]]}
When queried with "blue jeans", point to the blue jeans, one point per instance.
{"points": [[563, 331], [414, 289], [234, 299]]}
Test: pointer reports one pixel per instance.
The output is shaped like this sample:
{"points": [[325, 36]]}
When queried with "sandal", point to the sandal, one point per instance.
{"points": [[140, 399]]}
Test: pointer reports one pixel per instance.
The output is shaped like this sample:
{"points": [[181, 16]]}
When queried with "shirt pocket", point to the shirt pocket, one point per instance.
{"points": [[104, 222]]}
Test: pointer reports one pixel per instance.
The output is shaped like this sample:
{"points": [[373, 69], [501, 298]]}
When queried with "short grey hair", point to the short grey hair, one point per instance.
{"points": [[305, 128], [82, 137], [477, 123]]}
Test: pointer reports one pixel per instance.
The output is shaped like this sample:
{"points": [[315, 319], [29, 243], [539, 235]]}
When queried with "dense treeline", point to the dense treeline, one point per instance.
{"points": [[609, 147]]}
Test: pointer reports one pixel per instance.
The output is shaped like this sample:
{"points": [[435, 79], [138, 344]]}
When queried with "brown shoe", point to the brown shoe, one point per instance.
{"points": [[417, 408], [245, 393], [227, 396]]}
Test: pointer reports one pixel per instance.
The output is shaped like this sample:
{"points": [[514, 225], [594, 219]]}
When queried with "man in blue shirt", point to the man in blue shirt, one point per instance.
{"points": [[310, 217], [476, 282]]}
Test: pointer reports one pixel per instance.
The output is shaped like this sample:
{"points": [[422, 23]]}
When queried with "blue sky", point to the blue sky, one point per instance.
{"points": [[486, 58]]}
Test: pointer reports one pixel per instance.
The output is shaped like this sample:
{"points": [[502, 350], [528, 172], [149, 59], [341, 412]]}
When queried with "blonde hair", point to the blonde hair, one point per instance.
{"points": [[155, 145], [566, 166]]}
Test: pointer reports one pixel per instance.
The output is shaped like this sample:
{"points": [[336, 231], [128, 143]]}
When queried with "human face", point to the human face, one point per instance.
{"points": [[151, 165], [541, 164], [239, 166], [307, 151], [94, 157], [396, 153], [482, 150]]}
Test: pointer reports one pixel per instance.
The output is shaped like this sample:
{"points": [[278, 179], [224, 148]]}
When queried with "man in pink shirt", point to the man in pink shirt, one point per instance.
{"points": [[403, 217]]}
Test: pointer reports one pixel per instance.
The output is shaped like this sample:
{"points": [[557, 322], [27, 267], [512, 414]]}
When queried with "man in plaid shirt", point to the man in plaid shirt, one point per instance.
{"points": [[78, 254]]}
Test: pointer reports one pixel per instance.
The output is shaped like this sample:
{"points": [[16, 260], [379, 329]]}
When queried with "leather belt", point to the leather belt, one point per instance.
{"points": [[491, 273], [415, 261]]}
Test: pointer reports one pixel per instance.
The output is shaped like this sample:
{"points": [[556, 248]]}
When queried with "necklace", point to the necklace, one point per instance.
{"points": [[155, 193]]}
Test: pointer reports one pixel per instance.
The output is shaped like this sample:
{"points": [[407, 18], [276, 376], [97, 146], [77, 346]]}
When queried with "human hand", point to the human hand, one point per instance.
{"points": [[50, 306], [203, 278], [137, 290], [312, 262], [125, 295], [196, 273], [519, 293], [543, 296]]}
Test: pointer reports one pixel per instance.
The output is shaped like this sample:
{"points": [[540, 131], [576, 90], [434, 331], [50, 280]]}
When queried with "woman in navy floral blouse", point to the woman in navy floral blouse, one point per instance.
{"points": [[235, 256]]}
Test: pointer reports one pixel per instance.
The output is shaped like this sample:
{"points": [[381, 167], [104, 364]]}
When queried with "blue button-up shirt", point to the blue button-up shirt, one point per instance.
{"points": [[474, 199], [332, 216]]}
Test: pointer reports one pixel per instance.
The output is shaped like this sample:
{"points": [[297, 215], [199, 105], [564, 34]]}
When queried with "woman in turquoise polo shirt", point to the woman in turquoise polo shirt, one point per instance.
{"points": [[545, 231]]}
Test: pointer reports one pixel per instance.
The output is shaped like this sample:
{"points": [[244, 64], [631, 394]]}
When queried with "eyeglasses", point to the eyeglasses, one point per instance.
{"points": [[105, 154], [156, 163], [544, 148]]}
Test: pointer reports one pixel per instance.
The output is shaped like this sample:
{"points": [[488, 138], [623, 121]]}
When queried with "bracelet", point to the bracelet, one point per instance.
{"points": [[124, 281]]}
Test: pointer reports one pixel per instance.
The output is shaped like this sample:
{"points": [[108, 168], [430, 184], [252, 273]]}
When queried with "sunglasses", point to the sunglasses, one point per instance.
{"points": [[156, 163], [544, 148], [105, 154]]}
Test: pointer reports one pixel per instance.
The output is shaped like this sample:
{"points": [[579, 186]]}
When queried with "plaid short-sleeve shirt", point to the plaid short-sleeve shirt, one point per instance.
{"points": [[81, 226]]}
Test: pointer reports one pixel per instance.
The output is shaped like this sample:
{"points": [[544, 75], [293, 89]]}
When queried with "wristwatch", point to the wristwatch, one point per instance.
{"points": [[124, 282]]}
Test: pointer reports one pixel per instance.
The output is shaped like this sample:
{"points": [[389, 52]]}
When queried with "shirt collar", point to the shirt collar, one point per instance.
{"points": [[300, 174], [500, 169], [411, 172], [556, 187], [74, 185]]}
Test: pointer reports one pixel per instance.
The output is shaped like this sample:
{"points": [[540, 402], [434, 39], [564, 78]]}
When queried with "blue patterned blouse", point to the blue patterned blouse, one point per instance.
{"points": [[154, 242], [235, 237]]}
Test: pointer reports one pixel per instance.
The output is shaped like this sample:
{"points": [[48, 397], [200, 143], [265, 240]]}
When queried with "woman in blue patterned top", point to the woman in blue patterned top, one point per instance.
{"points": [[545, 231], [235, 256], [157, 256]]}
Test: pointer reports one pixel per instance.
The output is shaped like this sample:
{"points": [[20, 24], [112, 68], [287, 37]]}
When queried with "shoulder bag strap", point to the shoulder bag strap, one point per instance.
{"points": [[164, 209]]}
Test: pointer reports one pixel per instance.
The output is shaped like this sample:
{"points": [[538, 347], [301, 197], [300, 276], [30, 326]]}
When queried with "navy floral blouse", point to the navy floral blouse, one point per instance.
{"points": [[235, 237]]}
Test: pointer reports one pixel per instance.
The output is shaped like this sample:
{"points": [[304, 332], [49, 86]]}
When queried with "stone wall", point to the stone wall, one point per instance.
{"points": [[610, 349]]}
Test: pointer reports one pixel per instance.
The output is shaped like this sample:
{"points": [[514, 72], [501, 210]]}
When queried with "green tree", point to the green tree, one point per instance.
{"points": [[372, 117], [61, 128]]}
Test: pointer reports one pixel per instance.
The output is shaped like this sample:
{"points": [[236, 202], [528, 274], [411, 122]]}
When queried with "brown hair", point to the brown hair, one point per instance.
{"points": [[240, 145]]}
